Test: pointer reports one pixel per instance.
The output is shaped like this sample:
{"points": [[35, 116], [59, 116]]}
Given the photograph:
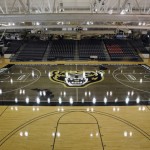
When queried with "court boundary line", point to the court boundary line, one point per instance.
{"points": [[100, 135], [125, 77], [128, 123], [129, 81], [114, 76], [27, 84], [26, 78], [4, 111], [148, 108], [5, 78]]}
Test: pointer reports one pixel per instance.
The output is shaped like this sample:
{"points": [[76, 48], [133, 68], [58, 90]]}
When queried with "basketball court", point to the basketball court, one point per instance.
{"points": [[105, 127], [75, 107], [75, 84]]}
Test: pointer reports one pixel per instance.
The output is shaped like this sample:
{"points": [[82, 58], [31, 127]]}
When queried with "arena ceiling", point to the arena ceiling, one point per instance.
{"points": [[70, 14]]}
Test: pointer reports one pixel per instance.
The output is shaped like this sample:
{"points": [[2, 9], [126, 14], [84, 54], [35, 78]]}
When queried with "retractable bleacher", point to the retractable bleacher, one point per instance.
{"points": [[13, 46], [121, 50], [138, 46], [33, 51], [91, 49], [62, 50]]}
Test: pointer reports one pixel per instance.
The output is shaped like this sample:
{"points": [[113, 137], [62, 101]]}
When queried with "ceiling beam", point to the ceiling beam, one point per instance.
{"points": [[2, 10], [124, 5], [78, 17], [100, 27], [23, 6], [13, 4], [82, 32], [118, 6], [49, 5], [6, 7], [138, 5], [28, 5]]}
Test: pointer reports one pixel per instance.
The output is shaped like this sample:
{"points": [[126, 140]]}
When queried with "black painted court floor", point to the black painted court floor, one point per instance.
{"points": [[75, 85]]}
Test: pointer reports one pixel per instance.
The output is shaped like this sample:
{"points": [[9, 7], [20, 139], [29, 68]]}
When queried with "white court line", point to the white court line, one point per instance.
{"points": [[17, 73], [20, 78], [126, 77], [7, 77], [17, 81], [136, 73], [27, 81], [126, 80], [4, 80], [114, 76], [131, 77], [27, 77], [147, 77]]}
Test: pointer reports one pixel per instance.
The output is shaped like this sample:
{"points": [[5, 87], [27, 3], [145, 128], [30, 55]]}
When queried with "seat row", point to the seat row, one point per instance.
{"points": [[33, 50]]}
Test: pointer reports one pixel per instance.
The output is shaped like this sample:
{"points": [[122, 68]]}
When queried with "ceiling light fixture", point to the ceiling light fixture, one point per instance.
{"points": [[123, 12], [61, 7], [140, 23], [37, 23], [110, 11]]}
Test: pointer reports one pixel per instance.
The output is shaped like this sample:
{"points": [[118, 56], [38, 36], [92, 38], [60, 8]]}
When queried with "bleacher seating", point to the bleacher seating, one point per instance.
{"points": [[33, 51], [91, 49], [85, 49], [121, 50], [62, 49], [138, 46], [13, 47]]}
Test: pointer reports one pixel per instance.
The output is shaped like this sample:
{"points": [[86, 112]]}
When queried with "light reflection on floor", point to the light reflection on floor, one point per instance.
{"points": [[72, 128], [32, 84]]}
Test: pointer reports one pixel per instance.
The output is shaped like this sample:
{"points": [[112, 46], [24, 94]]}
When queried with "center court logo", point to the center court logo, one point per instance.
{"points": [[76, 78]]}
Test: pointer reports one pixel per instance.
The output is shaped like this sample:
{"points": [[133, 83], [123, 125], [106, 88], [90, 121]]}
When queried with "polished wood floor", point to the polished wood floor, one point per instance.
{"points": [[3, 62], [74, 128]]}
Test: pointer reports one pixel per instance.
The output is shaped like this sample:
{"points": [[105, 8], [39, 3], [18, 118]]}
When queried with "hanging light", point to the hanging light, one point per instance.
{"points": [[37, 23], [144, 23], [110, 11]]}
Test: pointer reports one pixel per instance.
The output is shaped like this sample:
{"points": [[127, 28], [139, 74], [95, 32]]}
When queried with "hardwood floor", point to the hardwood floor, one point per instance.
{"points": [[73, 128], [3, 62]]}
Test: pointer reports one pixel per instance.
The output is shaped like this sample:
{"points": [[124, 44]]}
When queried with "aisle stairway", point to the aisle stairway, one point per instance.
{"points": [[76, 55]]}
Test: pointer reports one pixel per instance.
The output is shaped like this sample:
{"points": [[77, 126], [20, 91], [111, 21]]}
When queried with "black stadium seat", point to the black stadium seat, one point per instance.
{"points": [[34, 50]]}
